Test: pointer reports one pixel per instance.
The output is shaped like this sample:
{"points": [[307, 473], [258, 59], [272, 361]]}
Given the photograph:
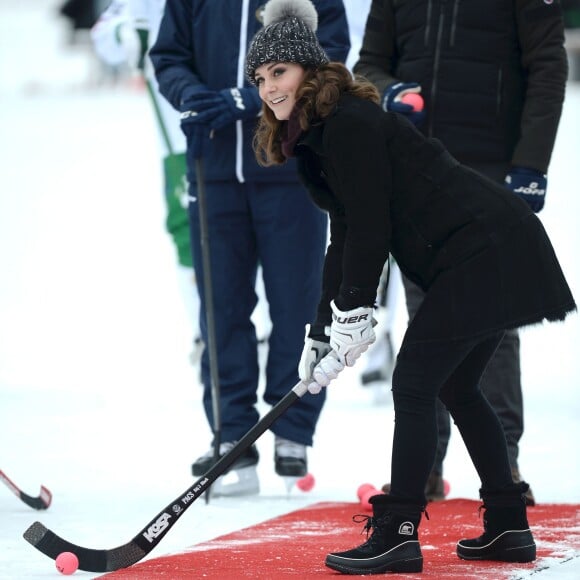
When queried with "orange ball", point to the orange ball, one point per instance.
{"points": [[415, 100], [362, 489], [364, 501], [306, 483], [67, 563]]}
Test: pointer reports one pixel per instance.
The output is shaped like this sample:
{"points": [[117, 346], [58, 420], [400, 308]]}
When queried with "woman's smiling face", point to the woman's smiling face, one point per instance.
{"points": [[277, 85]]}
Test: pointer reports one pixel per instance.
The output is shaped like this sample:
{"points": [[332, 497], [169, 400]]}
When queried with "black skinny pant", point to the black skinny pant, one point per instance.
{"points": [[500, 382], [450, 370]]}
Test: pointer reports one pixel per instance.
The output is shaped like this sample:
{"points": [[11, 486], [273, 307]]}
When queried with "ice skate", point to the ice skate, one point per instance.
{"points": [[290, 461], [506, 536], [236, 483], [240, 479]]}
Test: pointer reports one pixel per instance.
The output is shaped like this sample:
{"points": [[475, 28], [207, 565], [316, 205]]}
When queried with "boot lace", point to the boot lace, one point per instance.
{"points": [[483, 508], [370, 522]]}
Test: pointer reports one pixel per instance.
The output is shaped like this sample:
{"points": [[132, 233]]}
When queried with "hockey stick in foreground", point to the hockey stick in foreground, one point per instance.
{"points": [[149, 537], [38, 503]]}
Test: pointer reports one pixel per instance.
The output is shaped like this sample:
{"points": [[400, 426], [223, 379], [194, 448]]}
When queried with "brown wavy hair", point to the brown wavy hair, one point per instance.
{"points": [[316, 98]]}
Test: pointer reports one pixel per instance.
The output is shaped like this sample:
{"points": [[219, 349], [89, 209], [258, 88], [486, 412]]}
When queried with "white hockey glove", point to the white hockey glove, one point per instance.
{"points": [[351, 332], [325, 371], [318, 365]]}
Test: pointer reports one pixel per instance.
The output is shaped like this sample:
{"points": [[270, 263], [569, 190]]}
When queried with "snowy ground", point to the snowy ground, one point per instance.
{"points": [[97, 399]]}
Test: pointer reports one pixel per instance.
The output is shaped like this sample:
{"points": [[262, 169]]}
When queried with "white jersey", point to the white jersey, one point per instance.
{"points": [[147, 15], [106, 33], [357, 12], [116, 42]]}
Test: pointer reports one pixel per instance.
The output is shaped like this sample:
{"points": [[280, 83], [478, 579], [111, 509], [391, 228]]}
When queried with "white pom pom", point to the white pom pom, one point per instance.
{"points": [[279, 10]]}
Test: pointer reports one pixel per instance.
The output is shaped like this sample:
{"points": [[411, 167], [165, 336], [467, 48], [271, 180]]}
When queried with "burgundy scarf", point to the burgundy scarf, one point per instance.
{"points": [[293, 132]]}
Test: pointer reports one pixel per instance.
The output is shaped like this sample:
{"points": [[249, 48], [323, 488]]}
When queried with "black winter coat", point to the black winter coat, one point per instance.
{"points": [[493, 73], [479, 252]]}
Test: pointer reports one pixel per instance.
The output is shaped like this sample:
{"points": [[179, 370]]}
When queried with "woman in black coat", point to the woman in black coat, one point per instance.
{"points": [[477, 250]]}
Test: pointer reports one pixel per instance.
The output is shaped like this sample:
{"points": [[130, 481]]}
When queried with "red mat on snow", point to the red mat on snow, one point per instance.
{"points": [[295, 545]]}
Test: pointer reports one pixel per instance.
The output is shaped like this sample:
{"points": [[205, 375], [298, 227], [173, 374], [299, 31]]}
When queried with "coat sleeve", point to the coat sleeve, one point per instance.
{"points": [[332, 32], [361, 179], [377, 55], [332, 272], [541, 33], [172, 54]]}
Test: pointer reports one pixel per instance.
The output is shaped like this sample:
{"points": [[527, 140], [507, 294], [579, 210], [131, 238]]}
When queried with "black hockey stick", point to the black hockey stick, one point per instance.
{"points": [[40, 502], [207, 281], [209, 313], [149, 537]]}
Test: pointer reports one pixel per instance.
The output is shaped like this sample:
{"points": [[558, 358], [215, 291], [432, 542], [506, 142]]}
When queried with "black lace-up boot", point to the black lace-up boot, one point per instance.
{"points": [[507, 536], [393, 545]]}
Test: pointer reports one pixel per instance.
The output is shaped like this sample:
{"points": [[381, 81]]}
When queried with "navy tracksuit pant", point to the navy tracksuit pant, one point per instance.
{"points": [[277, 226]]}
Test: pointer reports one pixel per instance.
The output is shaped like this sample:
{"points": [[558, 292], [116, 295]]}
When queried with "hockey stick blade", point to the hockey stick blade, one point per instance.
{"points": [[94, 560], [41, 502]]}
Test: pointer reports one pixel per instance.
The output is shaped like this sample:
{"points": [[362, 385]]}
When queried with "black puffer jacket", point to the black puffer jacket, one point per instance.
{"points": [[478, 251], [493, 73]]}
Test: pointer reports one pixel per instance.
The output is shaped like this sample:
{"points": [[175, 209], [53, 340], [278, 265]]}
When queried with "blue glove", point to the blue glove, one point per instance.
{"points": [[218, 109], [204, 111], [195, 103], [235, 104], [528, 184], [196, 136], [391, 101]]}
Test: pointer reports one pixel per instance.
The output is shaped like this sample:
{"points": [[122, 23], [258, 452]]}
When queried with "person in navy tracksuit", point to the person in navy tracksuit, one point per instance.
{"points": [[256, 215]]}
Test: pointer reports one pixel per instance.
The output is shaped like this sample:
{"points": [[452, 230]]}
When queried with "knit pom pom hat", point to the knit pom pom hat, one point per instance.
{"points": [[288, 36]]}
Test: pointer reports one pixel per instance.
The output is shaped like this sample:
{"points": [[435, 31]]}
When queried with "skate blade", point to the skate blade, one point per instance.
{"points": [[302, 484], [237, 482], [290, 483]]}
